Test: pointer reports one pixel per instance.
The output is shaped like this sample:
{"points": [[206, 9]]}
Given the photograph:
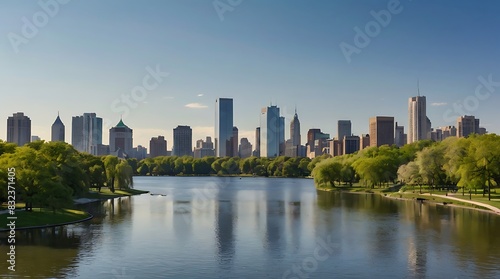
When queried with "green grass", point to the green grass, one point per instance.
{"points": [[42, 217], [356, 188], [107, 194]]}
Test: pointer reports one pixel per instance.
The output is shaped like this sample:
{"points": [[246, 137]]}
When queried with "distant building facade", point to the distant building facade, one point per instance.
{"points": [[381, 130], [467, 125], [272, 132], [256, 152], [350, 144], [58, 130], [86, 132], [234, 141], [157, 147], [418, 121], [399, 135], [19, 129], [183, 141], [121, 137], [204, 148], [344, 129], [245, 149], [224, 127]]}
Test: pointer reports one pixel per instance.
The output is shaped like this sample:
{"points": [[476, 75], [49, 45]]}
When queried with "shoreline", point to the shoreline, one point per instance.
{"points": [[88, 218], [486, 207]]}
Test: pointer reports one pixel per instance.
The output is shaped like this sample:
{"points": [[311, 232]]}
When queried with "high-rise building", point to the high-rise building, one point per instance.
{"points": [[351, 144], [381, 130], [364, 141], [234, 141], [272, 136], [245, 148], [86, 131], [317, 141], [295, 130], [140, 152], [418, 121], [157, 147], [399, 136], [19, 129], [467, 125], [58, 130], [224, 127], [256, 152], [344, 129], [204, 148], [183, 141], [121, 137]]}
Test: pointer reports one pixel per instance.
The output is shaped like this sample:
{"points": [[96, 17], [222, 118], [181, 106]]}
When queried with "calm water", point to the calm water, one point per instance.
{"points": [[259, 228]]}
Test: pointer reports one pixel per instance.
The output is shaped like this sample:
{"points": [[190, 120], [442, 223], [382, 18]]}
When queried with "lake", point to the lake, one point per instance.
{"points": [[211, 227]]}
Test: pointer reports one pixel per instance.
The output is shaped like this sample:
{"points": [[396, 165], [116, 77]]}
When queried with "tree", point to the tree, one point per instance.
{"points": [[110, 163], [124, 175]]}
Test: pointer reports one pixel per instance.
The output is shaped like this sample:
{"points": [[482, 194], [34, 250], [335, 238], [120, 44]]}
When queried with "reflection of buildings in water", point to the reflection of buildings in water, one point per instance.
{"points": [[294, 211], [417, 257], [225, 226], [118, 209], [182, 219]]}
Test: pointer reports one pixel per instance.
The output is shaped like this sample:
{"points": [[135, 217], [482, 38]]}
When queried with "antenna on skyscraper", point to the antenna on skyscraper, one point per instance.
{"points": [[418, 87]]}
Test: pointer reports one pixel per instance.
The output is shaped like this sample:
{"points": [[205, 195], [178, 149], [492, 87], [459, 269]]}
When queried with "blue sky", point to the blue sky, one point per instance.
{"points": [[89, 54]]}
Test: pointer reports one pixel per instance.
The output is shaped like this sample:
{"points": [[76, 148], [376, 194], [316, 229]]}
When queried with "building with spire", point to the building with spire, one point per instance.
{"points": [[58, 130], [121, 139], [417, 118]]}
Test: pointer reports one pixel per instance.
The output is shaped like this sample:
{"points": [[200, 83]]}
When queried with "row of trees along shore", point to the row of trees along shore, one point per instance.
{"points": [[470, 163], [51, 174]]}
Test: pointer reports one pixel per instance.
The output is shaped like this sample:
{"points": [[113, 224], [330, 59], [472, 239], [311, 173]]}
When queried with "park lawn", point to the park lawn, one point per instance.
{"points": [[495, 198], [107, 194], [43, 217], [356, 188]]}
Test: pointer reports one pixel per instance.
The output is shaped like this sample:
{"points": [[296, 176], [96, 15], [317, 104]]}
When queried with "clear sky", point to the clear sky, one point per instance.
{"points": [[87, 55]]}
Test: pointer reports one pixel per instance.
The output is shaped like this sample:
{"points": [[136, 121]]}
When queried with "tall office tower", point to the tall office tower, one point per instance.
{"points": [[399, 136], [86, 132], [381, 130], [467, 125], [183, 141], [58, 130], [121, 137], [157, 147], [245, 148], [343, 129], [418, 121], [351, 144], [19, 129], [295, 130], [223, 127], [281, 136], [234, 141], [272, 134], [256, 152]]}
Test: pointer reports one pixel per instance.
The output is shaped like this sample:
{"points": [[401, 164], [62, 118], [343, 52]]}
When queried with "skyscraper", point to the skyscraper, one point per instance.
{"points": [[418, 121], [86, 132], [467, 125], [343, 129], [399, 136], [157, 147], [224, 127], [381, 130], [256, 152], [234, 141], [183, 141], [19, 129], [121, 137], [272, 136], [295, 130], [58, 130]]}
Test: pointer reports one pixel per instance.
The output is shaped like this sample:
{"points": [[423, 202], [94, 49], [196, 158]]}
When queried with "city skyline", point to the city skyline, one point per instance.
{"points": [[287, 54]]}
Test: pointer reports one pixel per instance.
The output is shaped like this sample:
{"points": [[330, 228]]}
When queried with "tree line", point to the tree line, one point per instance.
{"points": [[51, 174], [470, 163]]}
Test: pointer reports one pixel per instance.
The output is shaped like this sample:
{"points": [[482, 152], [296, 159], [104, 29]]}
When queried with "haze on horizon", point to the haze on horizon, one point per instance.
{"points": [[85, 56]]}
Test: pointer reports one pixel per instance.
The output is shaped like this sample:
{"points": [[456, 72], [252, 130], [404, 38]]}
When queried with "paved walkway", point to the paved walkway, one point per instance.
{"points": [[491, 207]]}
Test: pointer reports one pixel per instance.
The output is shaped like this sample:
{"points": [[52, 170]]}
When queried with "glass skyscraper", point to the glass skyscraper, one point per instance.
{"points": [[272, 132], [86, 132], [224, 127]]}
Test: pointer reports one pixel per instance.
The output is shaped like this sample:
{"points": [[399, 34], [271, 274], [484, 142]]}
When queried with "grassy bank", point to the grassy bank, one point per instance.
{"points": [[44, 217], [105, 193]]}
